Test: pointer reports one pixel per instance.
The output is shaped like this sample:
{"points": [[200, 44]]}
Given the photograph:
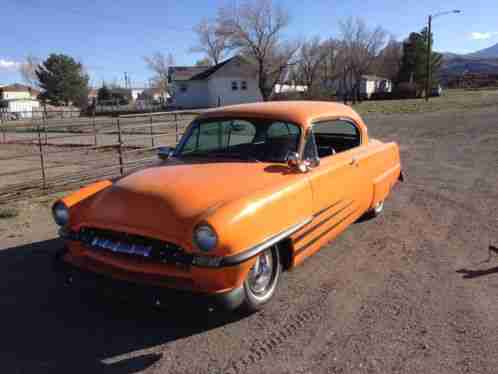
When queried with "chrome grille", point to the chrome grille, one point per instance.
{"points": [[134, 245]]}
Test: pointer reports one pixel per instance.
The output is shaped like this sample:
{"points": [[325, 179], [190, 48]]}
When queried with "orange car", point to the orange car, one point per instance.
{"points": [[249, 191]]}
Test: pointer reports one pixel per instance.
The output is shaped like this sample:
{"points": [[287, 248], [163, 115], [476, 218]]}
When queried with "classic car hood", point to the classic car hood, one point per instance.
{"points": [[168, 199]]}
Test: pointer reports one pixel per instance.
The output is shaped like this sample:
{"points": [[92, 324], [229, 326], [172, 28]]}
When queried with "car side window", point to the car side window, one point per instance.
{"points": [[335, 136]]}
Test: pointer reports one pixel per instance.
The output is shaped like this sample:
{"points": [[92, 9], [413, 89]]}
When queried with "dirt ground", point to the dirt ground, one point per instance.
{"points": [[412, 291]]}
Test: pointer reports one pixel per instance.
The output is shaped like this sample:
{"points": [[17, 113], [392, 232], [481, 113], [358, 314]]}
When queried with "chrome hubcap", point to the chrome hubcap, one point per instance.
{"points": [[261, 274]]}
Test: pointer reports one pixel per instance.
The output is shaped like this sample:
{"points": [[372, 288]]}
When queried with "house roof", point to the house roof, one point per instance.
{"points": [[213, 69], [16, 87], [374, 78], [184, 73]]}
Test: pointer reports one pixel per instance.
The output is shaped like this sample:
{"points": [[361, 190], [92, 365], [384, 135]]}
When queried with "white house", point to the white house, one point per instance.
{"points": [[19, 99], [368, 85], [288, 87], [233, 81], [371, 84], [156, 94], [136, 92]]}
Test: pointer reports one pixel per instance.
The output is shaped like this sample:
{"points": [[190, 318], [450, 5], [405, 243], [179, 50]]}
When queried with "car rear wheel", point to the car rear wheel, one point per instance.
{"points": [[262, 280]]}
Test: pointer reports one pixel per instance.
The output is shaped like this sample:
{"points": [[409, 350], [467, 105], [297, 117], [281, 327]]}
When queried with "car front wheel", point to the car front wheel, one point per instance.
{"points": [[262, 280], [378, 208]]}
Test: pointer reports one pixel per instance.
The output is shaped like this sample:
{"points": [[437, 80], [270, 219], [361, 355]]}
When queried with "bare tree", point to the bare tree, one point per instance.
{"points": [[158, 63], [311, 59], [27, 69], [281, 63], [210, 41], [332, 60], [361, 46], [388, 63], [254, 29]]}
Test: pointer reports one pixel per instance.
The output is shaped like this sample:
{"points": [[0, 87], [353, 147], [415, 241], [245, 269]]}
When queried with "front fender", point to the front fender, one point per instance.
{"points": [[262, 217]]}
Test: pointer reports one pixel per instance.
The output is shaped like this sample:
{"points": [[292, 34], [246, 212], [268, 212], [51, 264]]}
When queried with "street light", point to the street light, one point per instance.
{"points": [[428, 58]]}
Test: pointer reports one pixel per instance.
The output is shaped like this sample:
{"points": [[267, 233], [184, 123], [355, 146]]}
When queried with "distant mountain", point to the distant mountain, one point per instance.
{"points": [[482, 61], [460, 65], [490, 52], [450, 55]]}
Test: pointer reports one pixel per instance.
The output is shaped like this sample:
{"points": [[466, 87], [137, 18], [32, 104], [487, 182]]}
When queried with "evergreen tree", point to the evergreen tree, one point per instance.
{"points": [[103, 94], [62, 80], [414, 62]]}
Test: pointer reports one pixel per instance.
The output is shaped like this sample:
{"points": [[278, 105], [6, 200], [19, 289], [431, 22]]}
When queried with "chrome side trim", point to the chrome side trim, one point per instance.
{"points": [[310, 243], [305, 234], [257, 249]]}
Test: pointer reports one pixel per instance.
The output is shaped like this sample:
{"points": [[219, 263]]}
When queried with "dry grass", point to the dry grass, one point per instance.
{"points": [[451, 100], [8, 212]]}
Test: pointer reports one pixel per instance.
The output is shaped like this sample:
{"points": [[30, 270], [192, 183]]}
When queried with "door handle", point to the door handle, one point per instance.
{"points": [[354, 162]]}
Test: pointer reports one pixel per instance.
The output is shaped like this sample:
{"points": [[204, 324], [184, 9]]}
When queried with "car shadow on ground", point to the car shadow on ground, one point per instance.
{"points": [[48, 328]]}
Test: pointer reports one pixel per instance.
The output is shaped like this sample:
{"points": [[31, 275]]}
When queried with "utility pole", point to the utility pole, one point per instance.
{"points": [[428, 86], [428, 58]]}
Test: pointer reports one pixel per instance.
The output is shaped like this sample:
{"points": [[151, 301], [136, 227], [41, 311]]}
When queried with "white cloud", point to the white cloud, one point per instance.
{"points": [[482, 35], [8, 65]]}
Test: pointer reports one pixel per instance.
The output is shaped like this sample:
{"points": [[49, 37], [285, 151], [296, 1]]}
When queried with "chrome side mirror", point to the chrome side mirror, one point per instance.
{"points": [[293, 160], [295, 163], [314, 162], [165, 153]]}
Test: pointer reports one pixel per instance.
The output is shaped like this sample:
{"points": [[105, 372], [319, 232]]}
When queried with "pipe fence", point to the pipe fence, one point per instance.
{"points": [[44, 155]]}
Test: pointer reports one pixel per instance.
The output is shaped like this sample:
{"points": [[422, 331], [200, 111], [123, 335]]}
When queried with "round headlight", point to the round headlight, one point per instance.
{"points": [[61, 214], [205, 238]]}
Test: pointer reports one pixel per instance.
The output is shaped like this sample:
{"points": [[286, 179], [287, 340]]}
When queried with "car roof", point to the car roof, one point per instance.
{"points": [[302, 113]]}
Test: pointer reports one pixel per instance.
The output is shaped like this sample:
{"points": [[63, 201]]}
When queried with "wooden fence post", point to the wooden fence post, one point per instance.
{"points": [[42, 159], [120, 150]]}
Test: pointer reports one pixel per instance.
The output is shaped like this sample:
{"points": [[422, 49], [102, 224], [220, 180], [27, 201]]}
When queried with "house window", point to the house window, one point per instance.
{"points": [[243, 85], [183, 88], [235, 86]]}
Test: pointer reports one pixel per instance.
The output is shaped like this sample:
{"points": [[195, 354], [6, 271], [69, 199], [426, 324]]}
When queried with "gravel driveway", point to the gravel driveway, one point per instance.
{"points": [[412, 291]]}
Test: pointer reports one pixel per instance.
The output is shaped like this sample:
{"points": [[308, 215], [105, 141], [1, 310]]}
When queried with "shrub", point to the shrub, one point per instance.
{"points": [[405, 90], [383, 96]]}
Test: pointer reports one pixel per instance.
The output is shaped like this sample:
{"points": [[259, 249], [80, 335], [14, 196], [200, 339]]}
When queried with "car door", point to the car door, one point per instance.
{"points": [[336, 178]]}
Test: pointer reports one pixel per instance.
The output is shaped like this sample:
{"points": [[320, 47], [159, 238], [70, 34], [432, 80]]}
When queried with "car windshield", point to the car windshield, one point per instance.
{"points": [[241, 139]]}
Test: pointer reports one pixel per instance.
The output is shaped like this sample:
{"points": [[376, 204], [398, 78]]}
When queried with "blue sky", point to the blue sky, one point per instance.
{"points": [[113, 37]]}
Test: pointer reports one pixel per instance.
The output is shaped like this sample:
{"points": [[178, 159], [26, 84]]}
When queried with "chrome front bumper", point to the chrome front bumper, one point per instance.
{"points": [[76, 277]]}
